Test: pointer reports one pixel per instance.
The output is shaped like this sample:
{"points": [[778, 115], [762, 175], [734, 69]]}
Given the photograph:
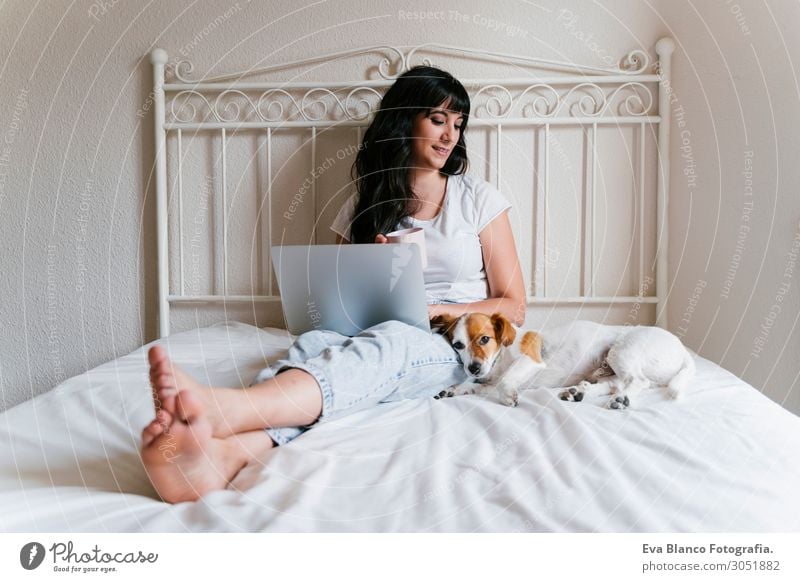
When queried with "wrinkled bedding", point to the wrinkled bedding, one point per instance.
{"points": [[723, 458]]}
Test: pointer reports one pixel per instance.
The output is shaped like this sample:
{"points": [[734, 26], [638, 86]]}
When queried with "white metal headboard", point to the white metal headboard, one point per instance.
{"points": [[554, 94]]}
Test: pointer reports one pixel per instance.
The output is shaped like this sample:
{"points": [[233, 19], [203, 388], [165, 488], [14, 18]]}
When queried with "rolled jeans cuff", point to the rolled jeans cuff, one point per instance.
{"points": [[322, 380], [283, 435]]}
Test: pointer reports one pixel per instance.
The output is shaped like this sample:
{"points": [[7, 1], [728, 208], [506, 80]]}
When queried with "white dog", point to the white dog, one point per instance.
{"points": [[490, 358], [581, 357], [585, 357]]}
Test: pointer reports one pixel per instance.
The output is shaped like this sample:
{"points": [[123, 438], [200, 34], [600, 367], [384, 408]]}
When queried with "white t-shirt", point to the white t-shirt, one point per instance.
{"points": [[455, 272]]}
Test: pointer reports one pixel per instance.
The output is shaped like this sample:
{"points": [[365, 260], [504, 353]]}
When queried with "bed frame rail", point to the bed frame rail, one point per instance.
{"points": [[558, 95]]}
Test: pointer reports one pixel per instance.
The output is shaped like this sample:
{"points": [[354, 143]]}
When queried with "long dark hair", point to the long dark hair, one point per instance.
{"points": [[381, 169]]}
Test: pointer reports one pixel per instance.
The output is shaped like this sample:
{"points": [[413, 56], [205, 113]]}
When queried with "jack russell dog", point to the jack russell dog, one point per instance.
{"points": [[483, 343], [582, 357]]}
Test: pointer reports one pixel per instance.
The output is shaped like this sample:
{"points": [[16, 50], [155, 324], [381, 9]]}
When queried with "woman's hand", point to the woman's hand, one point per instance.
{"points": [[433, 310], [380, 239]]}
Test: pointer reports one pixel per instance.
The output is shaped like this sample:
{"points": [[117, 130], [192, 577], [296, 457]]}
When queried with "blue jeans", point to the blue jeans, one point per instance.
{"points": [[384, 363]]}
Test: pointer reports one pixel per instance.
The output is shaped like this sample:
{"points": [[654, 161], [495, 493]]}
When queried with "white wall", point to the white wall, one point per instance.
{"points": [[735, 252], [75, 168]]}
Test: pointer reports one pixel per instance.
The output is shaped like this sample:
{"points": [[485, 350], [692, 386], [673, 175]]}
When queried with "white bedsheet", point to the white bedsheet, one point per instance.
{"points": [[724, 458]]}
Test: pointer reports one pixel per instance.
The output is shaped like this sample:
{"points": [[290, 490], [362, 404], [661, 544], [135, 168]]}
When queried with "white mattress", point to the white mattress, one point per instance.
{"points": [[724, 458]]}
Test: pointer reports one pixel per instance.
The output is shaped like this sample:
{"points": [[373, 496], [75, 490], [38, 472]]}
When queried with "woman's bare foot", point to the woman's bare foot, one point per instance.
{"points": [[167, 380], [184, 461], [293, 398]]}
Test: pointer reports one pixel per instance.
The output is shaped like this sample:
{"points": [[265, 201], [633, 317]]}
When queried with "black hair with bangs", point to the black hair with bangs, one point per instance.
{"points": [[381, 169]]}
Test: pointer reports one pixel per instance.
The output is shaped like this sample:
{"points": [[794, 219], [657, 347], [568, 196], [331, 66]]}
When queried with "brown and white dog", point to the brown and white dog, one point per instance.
{"points": [[491, 360]]}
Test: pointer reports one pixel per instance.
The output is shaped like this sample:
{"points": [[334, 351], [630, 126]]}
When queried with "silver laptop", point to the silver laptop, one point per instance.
{"points": [[349, 288]]}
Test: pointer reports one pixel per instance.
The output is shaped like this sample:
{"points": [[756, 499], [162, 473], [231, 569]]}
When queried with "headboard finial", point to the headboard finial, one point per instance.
{"points": [[665, 46], [158, 57]]}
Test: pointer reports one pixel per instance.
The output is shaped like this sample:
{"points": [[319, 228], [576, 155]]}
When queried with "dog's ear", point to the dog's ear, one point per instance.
{"points": [[503, 330], [442, 323]]}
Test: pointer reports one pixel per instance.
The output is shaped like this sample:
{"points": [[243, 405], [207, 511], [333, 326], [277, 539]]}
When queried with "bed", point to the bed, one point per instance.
{"points": [[724, 458]]}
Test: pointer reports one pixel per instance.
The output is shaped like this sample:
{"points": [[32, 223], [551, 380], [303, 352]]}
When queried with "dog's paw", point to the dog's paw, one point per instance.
{"points": [[574, 393], [619, 403], [571, 395], [467, 388], [510, 398], [459, 390], [449, 393]]}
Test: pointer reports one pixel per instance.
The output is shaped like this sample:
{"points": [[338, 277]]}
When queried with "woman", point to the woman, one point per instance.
{"points": [[409, 172]]}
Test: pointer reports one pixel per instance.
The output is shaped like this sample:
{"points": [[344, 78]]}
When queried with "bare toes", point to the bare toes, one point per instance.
{"points": [[163, 367], [163, 417], [147, 438], [165, 400], [155, 355], [160, 422], [187, 406], [151, 432], [167, 395], [168, 403], [164, 380]]}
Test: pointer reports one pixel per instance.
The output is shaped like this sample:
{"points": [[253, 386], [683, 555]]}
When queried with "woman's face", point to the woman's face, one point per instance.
{"points": [[434, 135]]}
